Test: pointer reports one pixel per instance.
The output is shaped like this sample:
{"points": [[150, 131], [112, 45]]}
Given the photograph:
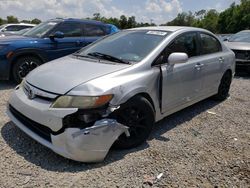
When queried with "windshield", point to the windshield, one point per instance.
{"points": [[131, 46], [41, 29], [21, 32], [243, 36], [2, 26]]}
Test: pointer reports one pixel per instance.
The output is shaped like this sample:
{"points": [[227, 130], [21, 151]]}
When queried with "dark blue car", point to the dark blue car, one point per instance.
{"points": [[45, 42]]}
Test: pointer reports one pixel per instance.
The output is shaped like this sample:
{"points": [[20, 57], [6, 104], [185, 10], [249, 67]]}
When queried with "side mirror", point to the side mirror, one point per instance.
{"points": [[57, 34], [226, 39], [177, 58]]}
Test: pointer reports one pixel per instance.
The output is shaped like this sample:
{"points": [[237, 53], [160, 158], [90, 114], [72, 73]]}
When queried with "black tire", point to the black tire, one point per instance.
{"points": [[23, 66], [224, 87], [138, 114]]}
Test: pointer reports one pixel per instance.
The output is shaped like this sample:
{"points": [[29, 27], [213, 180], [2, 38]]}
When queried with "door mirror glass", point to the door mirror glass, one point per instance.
{"points": [[177, 58], [57, 34]]}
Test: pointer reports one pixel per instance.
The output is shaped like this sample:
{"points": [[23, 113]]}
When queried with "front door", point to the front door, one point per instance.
{"points": [[73, 40], [181, 83]]}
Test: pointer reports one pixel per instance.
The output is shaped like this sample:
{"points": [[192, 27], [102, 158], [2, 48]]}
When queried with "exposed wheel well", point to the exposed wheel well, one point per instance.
{"points": [[146, 96], [230, 72]]}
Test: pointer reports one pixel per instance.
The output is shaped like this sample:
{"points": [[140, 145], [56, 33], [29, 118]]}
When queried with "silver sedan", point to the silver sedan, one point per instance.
{"points": [[113, 91]]}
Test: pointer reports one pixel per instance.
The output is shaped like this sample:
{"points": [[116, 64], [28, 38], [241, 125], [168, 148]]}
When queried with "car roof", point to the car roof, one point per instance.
{"points": [[77, 20], [245, 31], [169, 28], [26, 24]]}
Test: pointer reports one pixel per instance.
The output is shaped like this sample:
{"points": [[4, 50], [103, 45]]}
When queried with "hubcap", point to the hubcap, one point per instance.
{"points": [[26, 67], [135, 119]]}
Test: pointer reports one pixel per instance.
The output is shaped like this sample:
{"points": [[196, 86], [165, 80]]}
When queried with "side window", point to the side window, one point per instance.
{"points": [[186, 43], [13, 28], [209, 44], [70, 29], [25, 27], [93, 30]]}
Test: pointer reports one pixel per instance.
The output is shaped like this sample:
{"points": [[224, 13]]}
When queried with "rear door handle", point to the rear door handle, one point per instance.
{"points": [[221, 59]]}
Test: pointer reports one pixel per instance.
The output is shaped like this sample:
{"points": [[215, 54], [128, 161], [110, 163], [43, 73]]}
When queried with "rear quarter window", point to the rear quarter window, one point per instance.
{"points": [[209, 44]]}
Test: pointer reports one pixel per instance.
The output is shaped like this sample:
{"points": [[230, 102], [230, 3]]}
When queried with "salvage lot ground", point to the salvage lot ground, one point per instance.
{"points": [[206, 145]]}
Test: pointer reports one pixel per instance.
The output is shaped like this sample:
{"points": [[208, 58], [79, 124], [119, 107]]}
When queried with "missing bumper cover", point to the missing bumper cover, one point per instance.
{"points": [[90, 144]]}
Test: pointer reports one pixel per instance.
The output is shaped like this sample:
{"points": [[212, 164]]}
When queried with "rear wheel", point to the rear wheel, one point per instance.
{"points": [[224, 86], [23, 66], [138, 115]]}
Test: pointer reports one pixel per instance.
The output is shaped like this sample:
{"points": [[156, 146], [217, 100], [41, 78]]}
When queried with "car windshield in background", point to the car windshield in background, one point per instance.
{"points": [[41, 29], [21, 32], [127, 46], [240, 37]]}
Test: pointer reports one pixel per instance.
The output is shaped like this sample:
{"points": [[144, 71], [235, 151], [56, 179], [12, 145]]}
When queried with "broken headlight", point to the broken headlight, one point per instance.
{"points": [[81, 102]]}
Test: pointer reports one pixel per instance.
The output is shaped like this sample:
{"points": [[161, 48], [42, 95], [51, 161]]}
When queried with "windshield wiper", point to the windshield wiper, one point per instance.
{"points": [[85, 56], [108, 57]]}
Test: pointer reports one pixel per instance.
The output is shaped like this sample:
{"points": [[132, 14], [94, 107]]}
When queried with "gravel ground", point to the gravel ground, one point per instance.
{"points": [[206, 145]]}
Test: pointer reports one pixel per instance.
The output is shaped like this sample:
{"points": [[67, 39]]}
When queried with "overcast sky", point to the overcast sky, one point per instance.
{"points": [[160, 11]]}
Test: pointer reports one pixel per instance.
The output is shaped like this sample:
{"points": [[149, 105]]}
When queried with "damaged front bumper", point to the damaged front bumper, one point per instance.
{"points": [[90, 144]]}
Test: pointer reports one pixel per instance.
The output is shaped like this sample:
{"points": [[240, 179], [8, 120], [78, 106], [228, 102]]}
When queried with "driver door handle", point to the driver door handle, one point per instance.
{"points": [[198, 66]]}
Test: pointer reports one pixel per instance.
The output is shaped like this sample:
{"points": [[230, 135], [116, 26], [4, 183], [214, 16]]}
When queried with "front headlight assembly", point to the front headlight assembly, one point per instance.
{"points": [[82, 102]]}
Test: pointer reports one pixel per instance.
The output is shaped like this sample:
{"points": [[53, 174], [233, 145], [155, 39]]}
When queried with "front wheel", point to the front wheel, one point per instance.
{"points": [[138, 115], [23, 66], [224, 86]]}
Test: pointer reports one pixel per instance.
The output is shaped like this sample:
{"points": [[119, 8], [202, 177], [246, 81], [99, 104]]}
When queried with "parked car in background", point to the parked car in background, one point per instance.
{"points": [[114, 90], [21, 32], [224, 37], [45, 42], [11, 28], [240, 44]]}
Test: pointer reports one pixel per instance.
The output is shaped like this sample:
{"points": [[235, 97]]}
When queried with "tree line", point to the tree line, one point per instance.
{"points": [[13, 19], [231, 20]]}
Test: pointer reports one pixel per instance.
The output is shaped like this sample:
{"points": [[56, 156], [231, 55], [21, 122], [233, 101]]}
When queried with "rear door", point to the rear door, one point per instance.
{"points": [[212, 58], [181, 83], [93, 32], [73, 40]]}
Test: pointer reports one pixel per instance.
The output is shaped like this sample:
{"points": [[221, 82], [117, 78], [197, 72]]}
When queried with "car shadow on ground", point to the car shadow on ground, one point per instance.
{"points": [[41, 156], [7, 85]]}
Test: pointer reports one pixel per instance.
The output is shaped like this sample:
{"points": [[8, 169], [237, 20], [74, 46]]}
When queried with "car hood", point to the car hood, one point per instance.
{"points": [[238, 45], [62, 75], [13, 38]]}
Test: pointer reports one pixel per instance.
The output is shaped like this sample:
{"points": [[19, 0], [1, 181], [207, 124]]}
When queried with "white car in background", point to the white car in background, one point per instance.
{"points": [[11, 28]]}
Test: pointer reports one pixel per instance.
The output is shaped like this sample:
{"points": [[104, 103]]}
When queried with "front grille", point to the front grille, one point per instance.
{"points": [[35, 127], [31, 90], [242, 54]]}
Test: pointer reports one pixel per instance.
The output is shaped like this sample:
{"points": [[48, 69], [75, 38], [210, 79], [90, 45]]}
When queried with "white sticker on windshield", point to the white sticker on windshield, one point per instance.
{"points": [[161, 33], [52, 23]]}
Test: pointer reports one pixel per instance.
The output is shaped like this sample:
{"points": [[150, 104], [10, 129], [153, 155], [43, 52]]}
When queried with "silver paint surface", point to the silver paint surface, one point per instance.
{"points": [[182, 85]]}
